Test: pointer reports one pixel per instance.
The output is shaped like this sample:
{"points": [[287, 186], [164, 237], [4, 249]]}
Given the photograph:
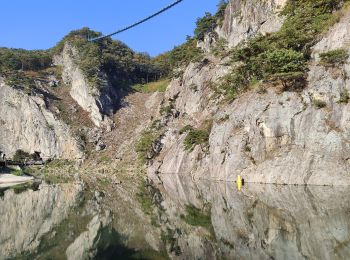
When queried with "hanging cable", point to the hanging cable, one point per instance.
{"points": [[137, 23]]}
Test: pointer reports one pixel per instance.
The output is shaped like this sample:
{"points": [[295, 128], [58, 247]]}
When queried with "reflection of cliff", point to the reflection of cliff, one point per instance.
{"points": [[262, 221], [28, 216]]}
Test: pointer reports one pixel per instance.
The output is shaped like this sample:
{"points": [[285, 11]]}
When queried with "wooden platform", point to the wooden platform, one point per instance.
{"points": [[18, 163]]}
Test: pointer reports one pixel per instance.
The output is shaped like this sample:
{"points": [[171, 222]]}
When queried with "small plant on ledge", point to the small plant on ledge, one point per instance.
{"points": [[334, 57]]}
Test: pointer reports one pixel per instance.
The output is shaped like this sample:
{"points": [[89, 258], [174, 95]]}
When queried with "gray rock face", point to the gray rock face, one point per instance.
{"points": [[193, 91], [337, 37], [260, 222], [208, 43], [246, 18], [270, 138], [99, 102], [27, 217], [97, 237], [27, 124]]}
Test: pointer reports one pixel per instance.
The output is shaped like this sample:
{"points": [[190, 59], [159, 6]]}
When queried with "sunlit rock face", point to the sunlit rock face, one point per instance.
{"points": [[246, 18], [99, 102], [26, 123], [27, 217], [273, 137], [259, 222]]}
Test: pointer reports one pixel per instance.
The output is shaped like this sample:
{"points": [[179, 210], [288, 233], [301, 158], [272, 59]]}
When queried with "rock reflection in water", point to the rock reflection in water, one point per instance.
{"points": [[260, 222], [27, 216], [198, 220]]}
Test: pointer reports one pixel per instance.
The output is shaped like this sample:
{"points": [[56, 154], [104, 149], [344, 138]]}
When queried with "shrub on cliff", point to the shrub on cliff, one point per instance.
{"points": [[205, 25], [148, 145], [194, 138], [281, 61], [344, 97], [197, 136], [183, 54], [209, 22], [334, 57]]}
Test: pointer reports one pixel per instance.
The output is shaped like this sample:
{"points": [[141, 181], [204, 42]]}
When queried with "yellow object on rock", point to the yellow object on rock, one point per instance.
{"points": [[239, 182]]}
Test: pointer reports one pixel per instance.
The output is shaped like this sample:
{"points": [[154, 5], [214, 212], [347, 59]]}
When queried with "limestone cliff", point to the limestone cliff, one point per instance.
{"points": [[26, 123], [269, 137], [98, 102], [246, 18]]}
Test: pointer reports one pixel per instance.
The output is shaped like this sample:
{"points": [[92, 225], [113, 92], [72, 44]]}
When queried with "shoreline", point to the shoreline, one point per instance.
{"points": [[8, 180]]}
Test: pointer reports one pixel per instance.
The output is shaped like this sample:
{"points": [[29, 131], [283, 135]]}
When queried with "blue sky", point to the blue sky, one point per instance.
{"points": [[40, 24]]}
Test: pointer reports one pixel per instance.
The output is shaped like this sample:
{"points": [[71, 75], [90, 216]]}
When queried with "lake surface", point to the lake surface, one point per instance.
{"points": [[194, 220]]}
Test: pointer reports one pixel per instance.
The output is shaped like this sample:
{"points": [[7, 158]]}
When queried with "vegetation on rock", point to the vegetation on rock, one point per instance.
{"points": [[159, 86], [188, 52], [144, 146], [144, 197], [111, 58], [318, 103], [197, 136], [19, 59], [344, 97], [185, 129], [209, 22], [21, 155], [334, 57], [285, 53], [169, 237], [180, 56]]}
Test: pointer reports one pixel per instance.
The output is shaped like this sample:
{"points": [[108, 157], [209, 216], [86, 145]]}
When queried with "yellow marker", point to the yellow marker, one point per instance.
{"points": [[239, 182]]}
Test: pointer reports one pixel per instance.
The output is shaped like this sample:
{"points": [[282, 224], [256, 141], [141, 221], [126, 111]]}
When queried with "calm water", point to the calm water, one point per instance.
{"points": [[202, 220]]}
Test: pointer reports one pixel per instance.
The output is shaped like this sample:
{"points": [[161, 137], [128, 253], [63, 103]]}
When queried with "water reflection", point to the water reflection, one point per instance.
{"points": [[29, 213], [194, 220], [61, 221], [258, 222]]}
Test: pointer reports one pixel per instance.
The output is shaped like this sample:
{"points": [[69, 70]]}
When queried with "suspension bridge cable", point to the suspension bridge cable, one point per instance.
{"points": [[137, 23]]}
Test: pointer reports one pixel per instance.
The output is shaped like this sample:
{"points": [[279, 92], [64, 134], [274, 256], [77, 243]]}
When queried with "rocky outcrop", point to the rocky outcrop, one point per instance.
{"points": [[30, 215], [193, 90], [99, 101], [207, 44], [282, 137], [26, 123], [246, 18], [96, 239]]}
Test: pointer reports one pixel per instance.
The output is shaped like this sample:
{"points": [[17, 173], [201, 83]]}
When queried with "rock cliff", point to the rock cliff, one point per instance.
{"points": [[98, 102], [26, 123], [268, 136], [246, 18]]}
